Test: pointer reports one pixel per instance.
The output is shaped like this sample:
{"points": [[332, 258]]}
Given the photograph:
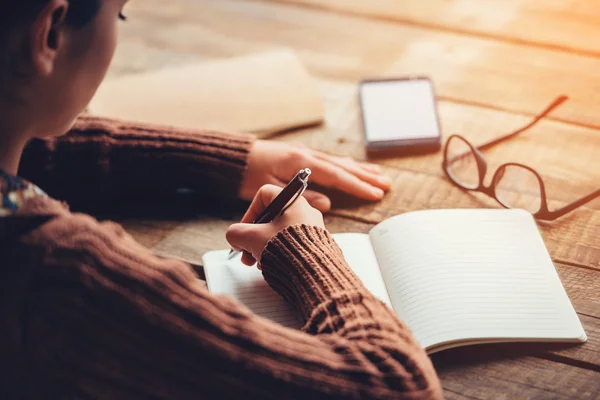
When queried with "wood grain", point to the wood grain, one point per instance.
{"points": [[149, 232], [583, 288], [485, 374], [193, 238], [494, 65], [465, 68], [562, 153], [563, 25], [572, 239], [419, 183], [262, 26]]}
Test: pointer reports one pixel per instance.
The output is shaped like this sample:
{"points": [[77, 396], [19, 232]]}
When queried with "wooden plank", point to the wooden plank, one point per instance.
{"points": [[193, 238], [488, 373], [418, 182], [583, 287], [586, 355], [206, 234], [213, 29], [569, 26], [572, 239], [524, 370], [148, 232], [220, 29], [485, 368], [562, 153], [476, 123], [465, 69]]}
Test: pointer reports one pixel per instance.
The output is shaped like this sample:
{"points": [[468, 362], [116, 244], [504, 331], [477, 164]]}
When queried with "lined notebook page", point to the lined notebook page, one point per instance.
{"points": [[231, 277], [473, 274], [248, 285], [359, 255]]}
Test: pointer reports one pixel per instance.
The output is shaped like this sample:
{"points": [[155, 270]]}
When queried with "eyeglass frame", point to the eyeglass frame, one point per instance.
{"points": [[543, 213]]}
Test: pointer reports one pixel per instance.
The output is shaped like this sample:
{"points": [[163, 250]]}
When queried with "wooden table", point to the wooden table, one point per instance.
{"points": [[495, 63]]}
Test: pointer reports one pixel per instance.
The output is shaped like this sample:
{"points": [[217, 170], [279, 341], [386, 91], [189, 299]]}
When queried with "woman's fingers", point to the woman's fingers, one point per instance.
{"points": [[245, 238], [369, 173], [262, 199], [330, 175], [318, 200], [247, 259], [371, 167]]}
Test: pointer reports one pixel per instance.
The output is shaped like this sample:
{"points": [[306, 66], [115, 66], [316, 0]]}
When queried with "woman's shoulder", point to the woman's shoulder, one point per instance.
{"points": [[23, 205], [37, 227], [51, 230], [28, 215]]}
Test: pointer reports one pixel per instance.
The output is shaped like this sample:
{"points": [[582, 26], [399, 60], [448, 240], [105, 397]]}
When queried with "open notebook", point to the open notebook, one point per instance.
{"points": [[455, 277]]}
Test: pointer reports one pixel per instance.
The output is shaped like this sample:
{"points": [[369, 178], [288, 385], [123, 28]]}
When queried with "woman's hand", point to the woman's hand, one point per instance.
{"points": [[276, 163], [253, 238]]}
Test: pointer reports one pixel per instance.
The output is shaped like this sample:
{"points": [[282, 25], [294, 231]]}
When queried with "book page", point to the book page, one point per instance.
{"points": [[458, 275], [359, 255], [231, 277], [246, 284]]}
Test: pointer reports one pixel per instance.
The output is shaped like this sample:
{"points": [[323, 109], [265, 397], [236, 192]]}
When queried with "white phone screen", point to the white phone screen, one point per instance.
{"points": [[399, 110]]}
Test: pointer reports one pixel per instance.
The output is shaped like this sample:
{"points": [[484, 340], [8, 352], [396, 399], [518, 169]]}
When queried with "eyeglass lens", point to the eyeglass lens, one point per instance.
{"points": [[518, 187], [461, 163], [514, 186]]}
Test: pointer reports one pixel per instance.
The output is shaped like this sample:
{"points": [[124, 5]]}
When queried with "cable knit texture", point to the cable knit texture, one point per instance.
{"points": [[103, 160], [86, 312]]}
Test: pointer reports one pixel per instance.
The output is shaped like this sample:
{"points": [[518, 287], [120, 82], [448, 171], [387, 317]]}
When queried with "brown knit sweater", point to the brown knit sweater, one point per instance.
{"points": [[86, 312]]}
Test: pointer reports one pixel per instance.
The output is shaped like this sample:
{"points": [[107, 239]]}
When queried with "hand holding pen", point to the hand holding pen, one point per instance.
{"points": [[272, 210]]}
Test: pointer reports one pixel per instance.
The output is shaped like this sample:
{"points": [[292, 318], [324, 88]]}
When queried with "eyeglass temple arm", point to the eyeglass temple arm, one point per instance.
{"points": [[576, 204], [557, 102]]}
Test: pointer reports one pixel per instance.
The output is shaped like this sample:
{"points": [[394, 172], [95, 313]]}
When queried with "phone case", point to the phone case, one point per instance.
{"points": [[401, 146]]}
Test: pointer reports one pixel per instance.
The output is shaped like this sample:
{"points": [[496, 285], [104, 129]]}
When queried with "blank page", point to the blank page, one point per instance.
{"points": [[459, 275], [248, 285]]}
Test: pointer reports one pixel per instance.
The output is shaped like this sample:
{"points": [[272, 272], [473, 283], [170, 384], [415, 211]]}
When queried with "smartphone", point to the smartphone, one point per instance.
{"points": [[400, 116]]}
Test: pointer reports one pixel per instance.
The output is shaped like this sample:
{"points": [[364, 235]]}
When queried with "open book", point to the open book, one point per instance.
{"points": [[455, 277]]}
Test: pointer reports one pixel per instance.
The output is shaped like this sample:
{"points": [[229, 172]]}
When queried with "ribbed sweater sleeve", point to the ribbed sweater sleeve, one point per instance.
{"points": [[103, 318], [101, 161]]}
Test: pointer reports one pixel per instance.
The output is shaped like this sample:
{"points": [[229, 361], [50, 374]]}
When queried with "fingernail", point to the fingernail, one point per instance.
{"points": [[378, 193]]}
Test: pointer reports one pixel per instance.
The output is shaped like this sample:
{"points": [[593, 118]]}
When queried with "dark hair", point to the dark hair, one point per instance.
{"points": [[18, 13], [15, 12], [81, 12]]}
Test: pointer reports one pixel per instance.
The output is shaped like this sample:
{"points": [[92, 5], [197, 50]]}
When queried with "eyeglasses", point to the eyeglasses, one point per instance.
{"points": [[465, 166]]}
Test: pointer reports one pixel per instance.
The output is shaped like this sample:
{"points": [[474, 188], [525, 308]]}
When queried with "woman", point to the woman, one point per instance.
{"points": [[87, 312]]}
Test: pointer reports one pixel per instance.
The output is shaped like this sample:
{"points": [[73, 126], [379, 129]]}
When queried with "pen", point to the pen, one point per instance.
{"points": [[282, 202]]}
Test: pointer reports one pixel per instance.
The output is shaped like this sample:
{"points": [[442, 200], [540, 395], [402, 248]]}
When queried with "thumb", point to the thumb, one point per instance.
{"points": [[246, 238], [239, 236]]}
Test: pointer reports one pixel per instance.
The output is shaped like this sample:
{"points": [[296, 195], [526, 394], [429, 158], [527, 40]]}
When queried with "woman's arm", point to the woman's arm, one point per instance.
{"points": [[104, 318], [101, 161]]}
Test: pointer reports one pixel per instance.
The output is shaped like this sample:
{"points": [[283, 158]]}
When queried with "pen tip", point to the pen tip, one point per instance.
{"points": [[231, 254]]}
